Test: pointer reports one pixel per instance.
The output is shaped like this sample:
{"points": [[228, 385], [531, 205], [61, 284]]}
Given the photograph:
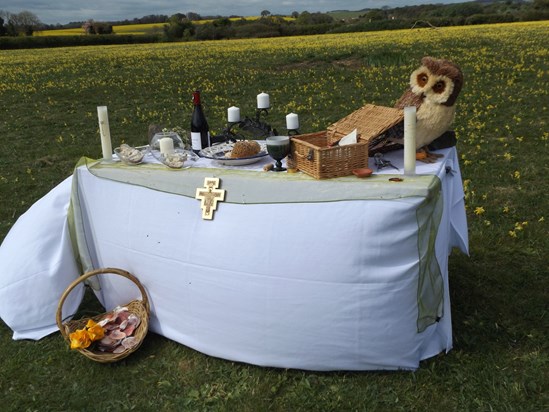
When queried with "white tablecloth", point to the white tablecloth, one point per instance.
{"points": [[322, 285]]}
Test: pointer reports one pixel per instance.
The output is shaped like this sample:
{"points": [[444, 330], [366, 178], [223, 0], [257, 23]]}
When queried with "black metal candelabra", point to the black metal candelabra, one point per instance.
{"points": [[257, 127]]}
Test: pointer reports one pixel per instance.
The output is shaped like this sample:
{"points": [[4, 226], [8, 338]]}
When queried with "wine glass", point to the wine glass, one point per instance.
{"points": [[278, 148]]}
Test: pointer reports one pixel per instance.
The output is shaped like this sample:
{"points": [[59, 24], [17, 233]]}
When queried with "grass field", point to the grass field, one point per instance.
{"points": [[500, 293]]}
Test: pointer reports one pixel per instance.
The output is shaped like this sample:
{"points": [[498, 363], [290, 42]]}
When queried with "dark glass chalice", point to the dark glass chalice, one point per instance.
{"points": [[278, 148]]}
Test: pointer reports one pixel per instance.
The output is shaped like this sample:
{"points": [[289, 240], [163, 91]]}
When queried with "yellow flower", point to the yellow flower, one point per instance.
{"points": [[80, 339], [520, 226], [479, 210], [95, 331]]}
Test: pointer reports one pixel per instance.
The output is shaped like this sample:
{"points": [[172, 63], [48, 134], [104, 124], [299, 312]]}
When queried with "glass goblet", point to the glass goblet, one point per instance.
{"points": [[278, 148]]}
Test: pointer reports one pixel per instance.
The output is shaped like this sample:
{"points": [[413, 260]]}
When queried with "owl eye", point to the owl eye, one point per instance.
{"points": [[422, 79], [439, 87]]}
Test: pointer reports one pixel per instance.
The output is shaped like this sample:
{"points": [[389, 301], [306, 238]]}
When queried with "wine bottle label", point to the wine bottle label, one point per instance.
{"points": [[196, 141]]}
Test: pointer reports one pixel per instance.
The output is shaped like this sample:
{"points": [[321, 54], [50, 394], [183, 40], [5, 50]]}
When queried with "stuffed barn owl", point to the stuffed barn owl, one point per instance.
{"points": [[434, 88]]}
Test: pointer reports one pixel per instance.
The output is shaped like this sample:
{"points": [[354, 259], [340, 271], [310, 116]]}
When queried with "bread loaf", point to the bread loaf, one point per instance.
{"points": [[244, 148]]}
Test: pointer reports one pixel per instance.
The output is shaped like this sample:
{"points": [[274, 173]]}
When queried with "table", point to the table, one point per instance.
{"points": [[344, 274]]}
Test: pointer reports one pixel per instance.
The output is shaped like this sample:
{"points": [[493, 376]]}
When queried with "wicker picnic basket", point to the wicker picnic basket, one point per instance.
{"points": [[315, 154], [139, 307]]}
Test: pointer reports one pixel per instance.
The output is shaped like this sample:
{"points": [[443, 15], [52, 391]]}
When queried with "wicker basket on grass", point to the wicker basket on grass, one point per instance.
{"points": [[138, 307]]}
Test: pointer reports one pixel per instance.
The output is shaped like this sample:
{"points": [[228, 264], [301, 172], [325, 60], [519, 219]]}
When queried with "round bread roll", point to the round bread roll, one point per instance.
{"points": [[245, 148]]}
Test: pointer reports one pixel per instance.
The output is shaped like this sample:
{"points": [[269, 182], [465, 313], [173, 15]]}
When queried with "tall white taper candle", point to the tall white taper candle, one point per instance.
{"points": [[410, 140], [106, 145]]}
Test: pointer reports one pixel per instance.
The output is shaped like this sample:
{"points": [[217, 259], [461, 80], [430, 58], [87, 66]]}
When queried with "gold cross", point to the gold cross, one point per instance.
{"points": [[209, 196]]}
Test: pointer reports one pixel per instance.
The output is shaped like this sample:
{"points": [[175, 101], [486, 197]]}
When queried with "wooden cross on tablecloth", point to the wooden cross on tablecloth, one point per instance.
{"points": [[209, 196]]}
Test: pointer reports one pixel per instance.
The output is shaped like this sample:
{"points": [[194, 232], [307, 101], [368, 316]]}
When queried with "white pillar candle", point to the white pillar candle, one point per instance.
{"points": [[263, 101], [106, 145], [410, 140], [166, 146], [292, 121], [233, 114]]}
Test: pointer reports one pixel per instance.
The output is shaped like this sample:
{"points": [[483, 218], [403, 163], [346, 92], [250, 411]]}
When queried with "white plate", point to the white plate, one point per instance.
{"points": [[218, 152]]}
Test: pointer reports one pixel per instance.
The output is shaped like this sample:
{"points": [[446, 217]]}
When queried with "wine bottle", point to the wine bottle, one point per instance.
{"points": [[200, 131]]}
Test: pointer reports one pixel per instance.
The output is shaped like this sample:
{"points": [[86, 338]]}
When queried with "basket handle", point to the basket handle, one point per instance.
{"points": [[123, 273], [310, 155]]}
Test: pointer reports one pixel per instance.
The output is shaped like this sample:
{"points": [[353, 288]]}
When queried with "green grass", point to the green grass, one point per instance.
{"points": [[499, 293]]}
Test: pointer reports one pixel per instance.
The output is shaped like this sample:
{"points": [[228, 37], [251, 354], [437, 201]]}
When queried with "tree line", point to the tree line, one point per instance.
{"points": [[16, 24], [180, 26]]}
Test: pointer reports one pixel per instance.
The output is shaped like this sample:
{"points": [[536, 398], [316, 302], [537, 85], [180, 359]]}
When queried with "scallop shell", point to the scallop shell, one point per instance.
{"points": [[128, 331], [122, 316], [108, 343], [119, 349], [116, 334], [130, 342], [109, 317], [131, 154], [134, 320], [119, 309]]}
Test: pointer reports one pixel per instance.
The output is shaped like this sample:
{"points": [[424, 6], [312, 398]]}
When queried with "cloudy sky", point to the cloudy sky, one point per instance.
{"points": [[65, 11]]}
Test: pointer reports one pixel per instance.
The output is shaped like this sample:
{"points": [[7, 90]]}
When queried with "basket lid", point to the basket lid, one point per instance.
{"points": [[370, 122]]}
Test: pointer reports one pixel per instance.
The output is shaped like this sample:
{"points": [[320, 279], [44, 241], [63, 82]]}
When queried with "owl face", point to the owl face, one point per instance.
{"points": [[438, 81]]}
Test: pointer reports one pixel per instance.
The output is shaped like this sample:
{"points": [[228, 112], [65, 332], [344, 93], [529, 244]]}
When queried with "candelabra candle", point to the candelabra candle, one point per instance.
{"points": [[233, 114], [292, 121], [106, 145], [410, 140], [263, 101], [256, 127]]}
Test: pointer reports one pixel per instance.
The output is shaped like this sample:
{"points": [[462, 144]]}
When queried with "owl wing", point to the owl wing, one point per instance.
{"points": [[409, 99]]}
